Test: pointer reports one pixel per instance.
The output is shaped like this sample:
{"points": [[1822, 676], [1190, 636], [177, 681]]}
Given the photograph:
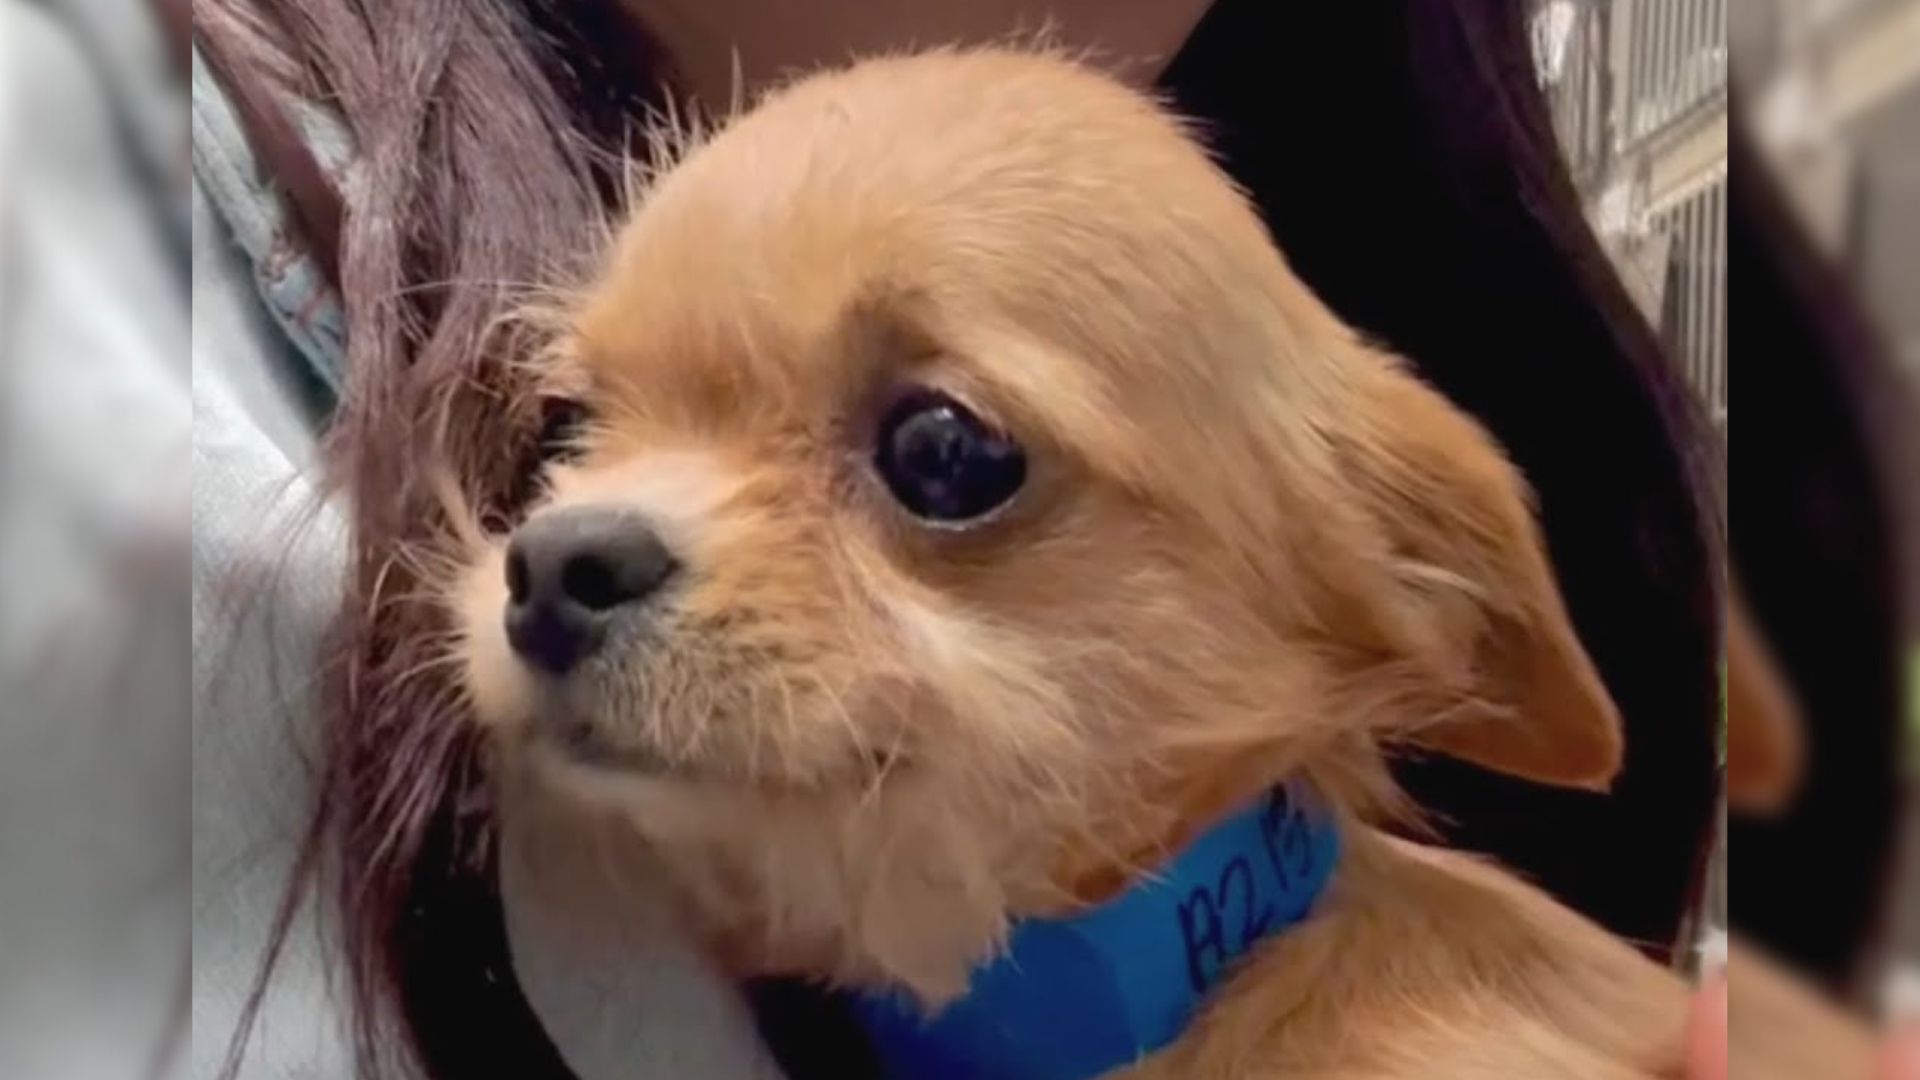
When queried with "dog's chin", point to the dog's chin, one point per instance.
{"points": [[580, 749], [579, 746]]}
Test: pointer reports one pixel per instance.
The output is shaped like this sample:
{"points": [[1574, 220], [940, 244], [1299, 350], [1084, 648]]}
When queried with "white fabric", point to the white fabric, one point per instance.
{"points": [[622, 992]]}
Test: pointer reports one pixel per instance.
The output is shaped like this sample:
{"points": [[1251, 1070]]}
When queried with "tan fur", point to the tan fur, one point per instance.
{"points": [[1781, 1028], [1250, 546], [1765, 743]]}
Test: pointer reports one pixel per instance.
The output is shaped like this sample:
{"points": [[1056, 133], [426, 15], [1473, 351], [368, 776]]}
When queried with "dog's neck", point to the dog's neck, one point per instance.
{"points": [[1078, 995], [919, 896]]}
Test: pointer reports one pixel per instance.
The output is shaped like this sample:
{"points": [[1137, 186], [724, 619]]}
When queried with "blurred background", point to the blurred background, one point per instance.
{"points": [[1640, 97], [94, 481]]}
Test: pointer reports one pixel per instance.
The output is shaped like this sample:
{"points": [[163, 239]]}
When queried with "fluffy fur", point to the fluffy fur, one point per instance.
{"points": [[1250, 546]]}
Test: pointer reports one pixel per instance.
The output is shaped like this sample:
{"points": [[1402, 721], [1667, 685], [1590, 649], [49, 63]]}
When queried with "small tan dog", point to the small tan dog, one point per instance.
{"points": [[974, 507]]}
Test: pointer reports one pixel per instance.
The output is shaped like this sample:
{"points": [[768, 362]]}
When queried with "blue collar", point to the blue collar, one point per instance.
{"points": [[1077, 996]]}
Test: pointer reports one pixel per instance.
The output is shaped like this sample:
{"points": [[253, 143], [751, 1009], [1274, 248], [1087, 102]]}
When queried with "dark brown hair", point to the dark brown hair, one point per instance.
{"points": [[488, 140]]}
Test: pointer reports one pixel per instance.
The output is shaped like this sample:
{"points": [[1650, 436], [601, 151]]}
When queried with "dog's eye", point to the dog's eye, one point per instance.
{"points": [[943, 463], [560, 422]]}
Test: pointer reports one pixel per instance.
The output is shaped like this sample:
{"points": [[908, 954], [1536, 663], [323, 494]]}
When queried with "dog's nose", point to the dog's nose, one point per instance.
{"points": [[570, 573]]}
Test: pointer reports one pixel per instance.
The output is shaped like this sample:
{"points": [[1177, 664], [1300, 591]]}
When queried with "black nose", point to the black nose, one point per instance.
{"points": [[570, 573]]}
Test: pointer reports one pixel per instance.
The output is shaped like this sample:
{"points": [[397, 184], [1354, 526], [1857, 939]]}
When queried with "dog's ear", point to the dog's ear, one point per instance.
{"points": [[1765, 745], [1471, 598]]}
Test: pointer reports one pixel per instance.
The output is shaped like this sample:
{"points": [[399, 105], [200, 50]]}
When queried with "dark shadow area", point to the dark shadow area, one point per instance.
{"points": [[1816, 553]]}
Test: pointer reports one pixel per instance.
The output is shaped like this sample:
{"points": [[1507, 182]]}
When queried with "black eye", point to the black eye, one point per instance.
{"points": [[943, 463], [560, 422]]}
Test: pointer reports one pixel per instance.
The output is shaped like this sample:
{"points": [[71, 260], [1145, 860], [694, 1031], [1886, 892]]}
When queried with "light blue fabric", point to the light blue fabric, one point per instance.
{"points": [[291, 285], [267, 560], [1076, 997]]}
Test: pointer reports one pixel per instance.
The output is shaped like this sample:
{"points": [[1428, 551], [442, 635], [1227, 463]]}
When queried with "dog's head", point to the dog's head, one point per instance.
{"points": [[971, 503]]}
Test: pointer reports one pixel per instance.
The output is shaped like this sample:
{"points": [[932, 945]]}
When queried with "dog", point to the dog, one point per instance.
{"points": [[970, 513]]}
